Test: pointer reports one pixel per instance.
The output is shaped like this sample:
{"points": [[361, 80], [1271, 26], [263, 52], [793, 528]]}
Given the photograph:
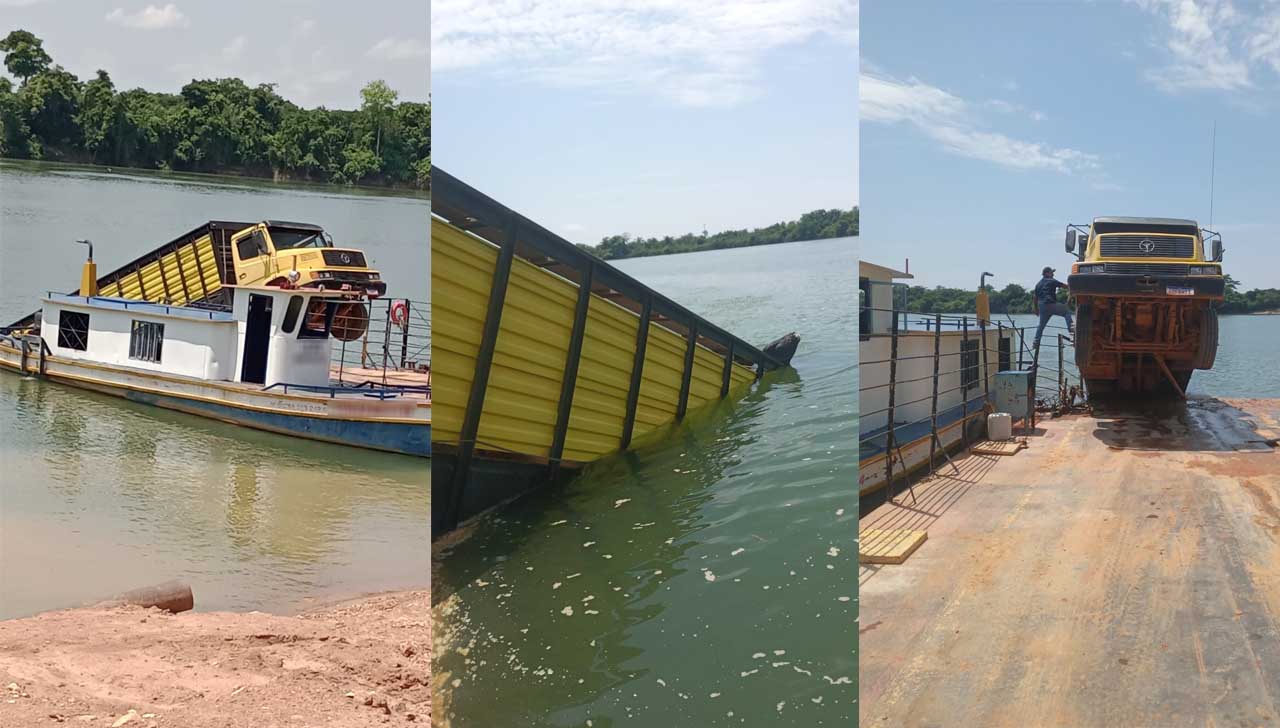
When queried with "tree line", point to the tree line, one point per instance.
{"points": [[816, 225], [218, 126], [1015, 299]]}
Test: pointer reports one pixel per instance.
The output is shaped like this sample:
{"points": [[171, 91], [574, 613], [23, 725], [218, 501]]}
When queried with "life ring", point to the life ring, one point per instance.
{"points": [[400, 313]]}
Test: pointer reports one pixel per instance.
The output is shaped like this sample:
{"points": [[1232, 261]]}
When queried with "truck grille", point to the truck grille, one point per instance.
{"points": [[1136, 246], [1147, 269], [344, 258]]}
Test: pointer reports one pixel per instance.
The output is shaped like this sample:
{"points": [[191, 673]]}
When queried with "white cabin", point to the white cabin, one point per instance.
{"points": [[270, 336]]}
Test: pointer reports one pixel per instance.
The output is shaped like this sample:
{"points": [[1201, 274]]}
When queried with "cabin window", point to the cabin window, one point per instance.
{"points": [[969, 363], [251, 246], [146, 338], [291, 314], [316, 323], [73, 330], [1006, 354]]}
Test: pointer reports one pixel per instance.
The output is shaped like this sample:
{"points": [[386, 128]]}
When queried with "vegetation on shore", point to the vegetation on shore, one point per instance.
{"points": [[816, 225], [215, 126], [1015, 299]]}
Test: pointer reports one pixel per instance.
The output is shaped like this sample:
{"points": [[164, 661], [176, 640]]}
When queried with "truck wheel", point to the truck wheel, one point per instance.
{"points": [[1084, 335], [1208, 350]]}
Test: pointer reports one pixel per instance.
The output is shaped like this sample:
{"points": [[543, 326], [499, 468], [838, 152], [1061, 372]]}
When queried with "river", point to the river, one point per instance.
{"points": [[1248, 347], [705, 579], [98, 494]]}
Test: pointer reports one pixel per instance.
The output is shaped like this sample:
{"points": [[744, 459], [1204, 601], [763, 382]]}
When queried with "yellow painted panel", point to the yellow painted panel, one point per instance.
{"points": [[525, 380]]}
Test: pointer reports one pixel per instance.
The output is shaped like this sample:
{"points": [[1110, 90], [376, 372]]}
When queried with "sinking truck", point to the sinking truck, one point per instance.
{"points": [[1147, 290], [197, 268]]}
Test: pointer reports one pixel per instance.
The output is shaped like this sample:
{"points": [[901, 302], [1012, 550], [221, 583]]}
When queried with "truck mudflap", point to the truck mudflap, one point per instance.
{"points": [[1114, 284]]}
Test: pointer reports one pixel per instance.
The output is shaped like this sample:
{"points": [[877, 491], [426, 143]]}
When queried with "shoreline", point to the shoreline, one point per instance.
{"points": [[359, 661], [423, 193]]}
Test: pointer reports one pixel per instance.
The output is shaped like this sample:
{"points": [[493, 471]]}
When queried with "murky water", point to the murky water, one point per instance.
{"points": [[705, 579], [98, 494]]}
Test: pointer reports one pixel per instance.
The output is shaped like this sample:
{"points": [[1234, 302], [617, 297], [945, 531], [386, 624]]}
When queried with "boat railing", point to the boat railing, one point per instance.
{"points": [[1056, 388], [394, 348], [367, 388]]}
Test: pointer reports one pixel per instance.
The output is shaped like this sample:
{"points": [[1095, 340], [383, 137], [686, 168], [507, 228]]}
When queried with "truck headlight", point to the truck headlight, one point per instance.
{"points": [[1093, 268], [1202, 270], [323, 275]]}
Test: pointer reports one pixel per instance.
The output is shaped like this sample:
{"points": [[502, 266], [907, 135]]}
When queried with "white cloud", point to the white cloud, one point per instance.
{"points": [[396, 49], [1211, 44], [951, 122], [692, 53], [151, 17], [19, 3]]}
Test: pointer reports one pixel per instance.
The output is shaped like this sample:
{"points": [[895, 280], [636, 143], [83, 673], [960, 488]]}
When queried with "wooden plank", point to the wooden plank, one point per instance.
{"points": [[998, 447], [888, 545]]}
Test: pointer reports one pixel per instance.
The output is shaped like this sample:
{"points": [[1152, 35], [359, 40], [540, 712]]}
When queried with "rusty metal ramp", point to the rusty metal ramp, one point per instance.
{"points": [[1123, 570]]}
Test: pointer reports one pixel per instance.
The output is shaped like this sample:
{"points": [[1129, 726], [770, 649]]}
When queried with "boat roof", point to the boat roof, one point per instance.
{"points": [[865, 268], [1146, 221], [125, 304]]}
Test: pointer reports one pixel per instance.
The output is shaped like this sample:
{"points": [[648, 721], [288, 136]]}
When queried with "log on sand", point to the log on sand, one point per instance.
{"points": [[171, 596]]}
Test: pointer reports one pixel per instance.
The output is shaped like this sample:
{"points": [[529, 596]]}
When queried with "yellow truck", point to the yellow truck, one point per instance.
{"points": [[1147, 290], [193, 269]]}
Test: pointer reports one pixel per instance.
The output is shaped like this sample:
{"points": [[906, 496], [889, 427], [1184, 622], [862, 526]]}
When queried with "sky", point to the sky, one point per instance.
{"points": [[986, 129], [319, 53], [596, 117]]}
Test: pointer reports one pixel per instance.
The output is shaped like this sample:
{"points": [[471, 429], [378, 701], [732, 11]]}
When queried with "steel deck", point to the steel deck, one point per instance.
{"points": [[1123, 570]]}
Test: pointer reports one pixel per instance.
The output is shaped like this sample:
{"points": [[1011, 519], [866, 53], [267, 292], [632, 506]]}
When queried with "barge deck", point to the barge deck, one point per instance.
{"points": [[1124, 569]]}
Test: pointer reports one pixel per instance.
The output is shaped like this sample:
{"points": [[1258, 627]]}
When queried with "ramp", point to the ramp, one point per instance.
{"points": [[189, 270]]}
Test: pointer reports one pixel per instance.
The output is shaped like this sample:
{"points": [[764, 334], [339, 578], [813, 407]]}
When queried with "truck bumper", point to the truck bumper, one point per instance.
{"points": [[1113, 284], [372, 289]]}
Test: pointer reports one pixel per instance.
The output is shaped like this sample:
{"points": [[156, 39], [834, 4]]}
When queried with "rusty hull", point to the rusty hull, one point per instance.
{"points": [[1123, 570]]}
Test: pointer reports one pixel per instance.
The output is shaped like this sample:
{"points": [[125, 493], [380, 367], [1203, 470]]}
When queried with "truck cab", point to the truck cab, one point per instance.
{"points": [[273, 251], [1147, 291]]}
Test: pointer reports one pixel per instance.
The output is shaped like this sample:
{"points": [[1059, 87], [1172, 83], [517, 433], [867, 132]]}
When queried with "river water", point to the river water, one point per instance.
{"points": [[98, 494], [1248, 347], [705, 579]]}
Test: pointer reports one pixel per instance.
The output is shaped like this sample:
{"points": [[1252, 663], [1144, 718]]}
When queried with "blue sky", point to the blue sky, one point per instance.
{"points": [[986, 128], [596, 118], [319, 53]]}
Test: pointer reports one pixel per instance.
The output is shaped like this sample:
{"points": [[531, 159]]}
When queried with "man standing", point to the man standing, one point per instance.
{"points": [[1047, 305]]}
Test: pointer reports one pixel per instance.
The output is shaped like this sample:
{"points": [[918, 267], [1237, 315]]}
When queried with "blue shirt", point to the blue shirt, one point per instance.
{"points": [[1047, 290]]}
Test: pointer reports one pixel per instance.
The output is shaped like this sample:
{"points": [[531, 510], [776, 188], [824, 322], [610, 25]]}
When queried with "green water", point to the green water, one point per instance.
{"points": [[98, 494], [705, 579]]}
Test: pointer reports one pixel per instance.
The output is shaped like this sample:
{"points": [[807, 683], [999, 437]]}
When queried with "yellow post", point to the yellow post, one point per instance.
{"points": [[89, 274], [984, 306]]}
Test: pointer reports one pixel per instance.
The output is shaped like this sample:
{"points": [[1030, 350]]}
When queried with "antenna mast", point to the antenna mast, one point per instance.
{"points": [[1213, 161]]}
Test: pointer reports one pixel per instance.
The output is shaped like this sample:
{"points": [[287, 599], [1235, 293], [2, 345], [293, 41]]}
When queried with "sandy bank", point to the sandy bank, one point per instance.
{"points": [[359, 663]]}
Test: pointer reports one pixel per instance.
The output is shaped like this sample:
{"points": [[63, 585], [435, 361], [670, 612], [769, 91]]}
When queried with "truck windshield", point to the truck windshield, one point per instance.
{"points": [[288, 238]]}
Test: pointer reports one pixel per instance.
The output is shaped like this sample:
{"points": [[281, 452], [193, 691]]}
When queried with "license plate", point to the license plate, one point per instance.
{"points": [[1179, 291]]}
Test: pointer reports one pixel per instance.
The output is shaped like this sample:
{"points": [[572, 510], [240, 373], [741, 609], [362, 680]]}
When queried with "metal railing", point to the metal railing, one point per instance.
{"points": [[1055, 388], [395, 347]]}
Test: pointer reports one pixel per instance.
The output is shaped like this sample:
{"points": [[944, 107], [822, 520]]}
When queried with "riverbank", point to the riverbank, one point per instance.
{"points": [[362, 662]]}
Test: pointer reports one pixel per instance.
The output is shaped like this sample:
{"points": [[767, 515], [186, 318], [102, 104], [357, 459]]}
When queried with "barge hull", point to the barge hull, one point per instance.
{"points": [[256, 409], [1123, 570]]}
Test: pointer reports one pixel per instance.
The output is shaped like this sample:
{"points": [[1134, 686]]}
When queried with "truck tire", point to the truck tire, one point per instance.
{"points": [[1208, 350], [1084, 335]]}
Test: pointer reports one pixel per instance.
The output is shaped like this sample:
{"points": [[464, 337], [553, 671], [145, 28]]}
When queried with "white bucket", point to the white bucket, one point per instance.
{"points": [[999, 426]]}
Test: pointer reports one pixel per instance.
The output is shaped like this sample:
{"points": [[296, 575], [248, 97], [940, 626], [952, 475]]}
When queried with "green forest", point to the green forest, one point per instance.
{"points": [[816, 225], [221, 126], [1013, 298]]}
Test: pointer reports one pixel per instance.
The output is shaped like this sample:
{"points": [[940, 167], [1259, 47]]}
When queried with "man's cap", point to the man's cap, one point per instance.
{"points": [[1047, 271]]}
